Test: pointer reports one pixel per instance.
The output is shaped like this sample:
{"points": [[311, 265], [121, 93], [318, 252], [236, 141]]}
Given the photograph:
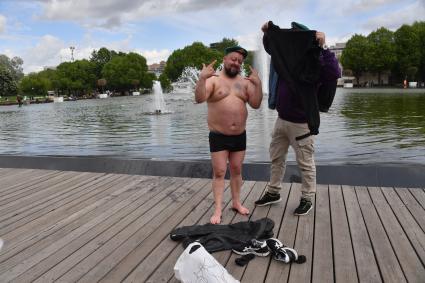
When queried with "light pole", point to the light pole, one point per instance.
{"points": [[72, 52]]}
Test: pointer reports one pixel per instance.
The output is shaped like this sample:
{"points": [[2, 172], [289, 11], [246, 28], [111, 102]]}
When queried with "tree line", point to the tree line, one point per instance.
{"points": [[401, 53], [106, 69]]}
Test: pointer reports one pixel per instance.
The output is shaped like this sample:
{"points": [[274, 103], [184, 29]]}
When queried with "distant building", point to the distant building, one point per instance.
{"points": [[337, 49], [367, 79], [157, 68]]}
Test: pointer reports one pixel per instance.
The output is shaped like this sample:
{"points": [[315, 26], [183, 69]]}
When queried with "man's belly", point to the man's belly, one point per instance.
{"points": [[228, 120]]}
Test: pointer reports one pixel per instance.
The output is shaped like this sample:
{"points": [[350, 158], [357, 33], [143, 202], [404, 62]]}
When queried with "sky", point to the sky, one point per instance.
{"points": [[41, 32]]}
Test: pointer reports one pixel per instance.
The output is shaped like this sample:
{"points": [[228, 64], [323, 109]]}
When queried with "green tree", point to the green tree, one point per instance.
{"points": [[222, 45], [35, 84], [100, 58], [419, 29], [122, 71], [356, 55], [14, 66], [248, 62], [165, 83], [8, 85], [382, 51], [229, 42], [408, 50], [194, 56], [75, 77]]}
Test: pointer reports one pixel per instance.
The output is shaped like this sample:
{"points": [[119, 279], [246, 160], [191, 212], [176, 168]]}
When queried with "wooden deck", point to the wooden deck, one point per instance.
{"points": [[91, 227]]}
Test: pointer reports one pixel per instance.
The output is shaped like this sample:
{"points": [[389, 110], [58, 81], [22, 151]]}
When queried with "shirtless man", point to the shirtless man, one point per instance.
{"points": [[226, 94]]}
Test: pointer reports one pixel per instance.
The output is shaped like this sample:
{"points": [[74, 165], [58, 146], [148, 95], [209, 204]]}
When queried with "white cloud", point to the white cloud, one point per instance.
{"points": [[111, 13], [2, 23], [368, 5], [155, 56], [46, 52], [395, 19], [50, 51], [252, 41]]}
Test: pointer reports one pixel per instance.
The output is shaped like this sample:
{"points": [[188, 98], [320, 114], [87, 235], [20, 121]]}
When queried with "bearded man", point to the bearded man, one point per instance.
{"points": [[227, 94]]}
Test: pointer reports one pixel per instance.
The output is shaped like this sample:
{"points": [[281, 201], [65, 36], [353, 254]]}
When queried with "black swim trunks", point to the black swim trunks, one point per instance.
{"points": [[219, 142]]}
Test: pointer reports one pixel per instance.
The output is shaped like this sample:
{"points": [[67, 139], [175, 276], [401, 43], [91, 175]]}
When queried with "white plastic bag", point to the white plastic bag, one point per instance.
{"points": [[200, 267]]}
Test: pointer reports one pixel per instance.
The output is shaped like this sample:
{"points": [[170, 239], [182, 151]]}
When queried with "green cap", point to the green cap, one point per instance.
{"points": [[236, 48], [296, 25]]}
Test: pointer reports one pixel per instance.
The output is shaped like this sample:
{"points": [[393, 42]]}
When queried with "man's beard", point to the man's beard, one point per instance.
{"points": [[231, 72]]}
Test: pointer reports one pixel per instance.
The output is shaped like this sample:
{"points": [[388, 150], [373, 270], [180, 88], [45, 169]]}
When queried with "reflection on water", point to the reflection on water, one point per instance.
{"points": [[360, 128], [394, 118]]}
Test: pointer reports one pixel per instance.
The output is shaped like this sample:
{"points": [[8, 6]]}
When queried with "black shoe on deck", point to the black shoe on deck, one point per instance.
{"points": [[258, 248], [268, 198], [304, 207]]}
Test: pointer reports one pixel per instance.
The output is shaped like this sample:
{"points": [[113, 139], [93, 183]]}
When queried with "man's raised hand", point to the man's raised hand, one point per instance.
{"points": [[208, 71], [253, 77]]}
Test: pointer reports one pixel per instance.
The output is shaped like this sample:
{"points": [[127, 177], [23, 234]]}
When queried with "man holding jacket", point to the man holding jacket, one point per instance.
{"points": [[303, 74]]}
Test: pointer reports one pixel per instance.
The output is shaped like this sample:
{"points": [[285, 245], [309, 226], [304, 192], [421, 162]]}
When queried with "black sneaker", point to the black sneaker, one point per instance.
{"points": [[258, 248], [280, 252], [304, 207], [268, 198]]}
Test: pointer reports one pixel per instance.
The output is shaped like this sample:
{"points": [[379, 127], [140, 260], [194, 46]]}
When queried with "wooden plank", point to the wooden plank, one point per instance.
{"points": [[21, 250], [25, 188], [49, 222], [162, 252], [109, 212], [22, 185], [410, 226], [165, 272], [99, 263], [131, 261], [385, 256], [343, 261], [367, 267], [278, 271], [100, 226], [23, 215], [5, 171], [253, 194], [407, 257], [417, 211], [12, 177], [38, 191], [19, 272], [304, 246], [17, 244], [323, 252], [33, 254], [419, 195], [256, 270], [45, 191]]}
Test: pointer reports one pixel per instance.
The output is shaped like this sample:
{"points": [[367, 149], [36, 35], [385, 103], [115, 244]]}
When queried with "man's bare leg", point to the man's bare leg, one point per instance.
{"points": [[235, 161], [219, 164]]}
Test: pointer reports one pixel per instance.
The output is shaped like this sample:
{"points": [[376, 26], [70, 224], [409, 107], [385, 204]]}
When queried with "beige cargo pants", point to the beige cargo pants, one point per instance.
{"points": [[284, 135]]}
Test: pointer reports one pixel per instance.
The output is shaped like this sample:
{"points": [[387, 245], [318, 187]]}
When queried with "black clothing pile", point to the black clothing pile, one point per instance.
{"points": [[224, 237]]}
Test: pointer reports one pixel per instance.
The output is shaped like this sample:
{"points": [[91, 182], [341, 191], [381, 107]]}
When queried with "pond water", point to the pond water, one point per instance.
{"points": [[362, 127]]}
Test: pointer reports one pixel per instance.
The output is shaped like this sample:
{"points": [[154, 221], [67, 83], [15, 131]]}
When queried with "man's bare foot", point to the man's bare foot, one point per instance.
{"points": [[216, 218], [240, 209]]}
